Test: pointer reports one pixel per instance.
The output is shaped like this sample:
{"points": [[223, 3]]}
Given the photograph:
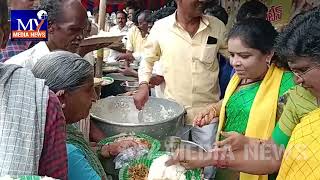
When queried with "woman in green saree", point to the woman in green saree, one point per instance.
{"points": [[250, 103], [294, 147], [298, 128]]}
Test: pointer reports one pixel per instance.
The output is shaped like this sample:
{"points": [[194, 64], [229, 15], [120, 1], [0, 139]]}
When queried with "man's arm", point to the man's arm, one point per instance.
{"points": [[223, 45], [128, 56], [151, 54]]}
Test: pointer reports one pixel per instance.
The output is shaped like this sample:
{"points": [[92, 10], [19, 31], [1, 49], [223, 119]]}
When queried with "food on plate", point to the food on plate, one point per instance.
{"points": [[159, 171], [140, 141], [97, 81], [110, 68], [107, 81], [138, 172]]}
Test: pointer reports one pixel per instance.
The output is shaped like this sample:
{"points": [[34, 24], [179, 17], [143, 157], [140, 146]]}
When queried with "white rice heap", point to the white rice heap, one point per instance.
{"points": [[159, 171]]}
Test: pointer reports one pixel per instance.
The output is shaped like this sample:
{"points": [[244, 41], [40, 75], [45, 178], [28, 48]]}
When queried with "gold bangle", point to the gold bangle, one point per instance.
{"points": [[214, 110]]}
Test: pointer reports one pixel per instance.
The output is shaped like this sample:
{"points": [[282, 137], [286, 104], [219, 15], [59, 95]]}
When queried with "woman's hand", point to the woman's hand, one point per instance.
{"points": [[128, 72], [198, 159], [235, 140], [141, 96], [206, 117], [190, 159], [117, 147], [125, 56]]}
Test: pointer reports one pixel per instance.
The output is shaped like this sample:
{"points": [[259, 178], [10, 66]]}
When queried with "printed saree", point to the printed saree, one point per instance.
{"points": [[301, 158]]}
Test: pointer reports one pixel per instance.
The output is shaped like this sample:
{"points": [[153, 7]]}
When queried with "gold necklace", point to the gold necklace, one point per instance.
{"points": [[245, 82]]}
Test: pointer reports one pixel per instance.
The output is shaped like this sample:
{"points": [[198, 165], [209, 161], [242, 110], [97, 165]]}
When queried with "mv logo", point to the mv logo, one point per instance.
{"points": [[29, 25]]}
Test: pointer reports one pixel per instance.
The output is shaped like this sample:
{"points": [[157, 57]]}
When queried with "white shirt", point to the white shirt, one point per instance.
{"points": [[130, 24], [116, 30], [31, 56]]}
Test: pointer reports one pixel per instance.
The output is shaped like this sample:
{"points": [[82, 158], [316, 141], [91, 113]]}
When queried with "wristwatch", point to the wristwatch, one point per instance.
{"points": [[144, 82]]}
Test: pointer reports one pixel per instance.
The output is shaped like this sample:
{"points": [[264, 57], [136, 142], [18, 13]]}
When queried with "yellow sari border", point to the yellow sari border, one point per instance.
{"points": [[262, 116]]}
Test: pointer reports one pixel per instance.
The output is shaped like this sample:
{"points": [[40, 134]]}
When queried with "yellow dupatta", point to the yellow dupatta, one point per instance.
{"points": [[301, 158], [262, 116]]}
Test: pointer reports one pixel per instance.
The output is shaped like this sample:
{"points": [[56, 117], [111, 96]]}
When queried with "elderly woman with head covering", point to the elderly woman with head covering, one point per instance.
{"points": [[71, 78], [32, 125], [294, 146]]}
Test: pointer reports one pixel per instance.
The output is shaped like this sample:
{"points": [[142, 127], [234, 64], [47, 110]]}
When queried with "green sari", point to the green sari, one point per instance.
{"points": [[76, 138], [240, 103], [238, 110]]}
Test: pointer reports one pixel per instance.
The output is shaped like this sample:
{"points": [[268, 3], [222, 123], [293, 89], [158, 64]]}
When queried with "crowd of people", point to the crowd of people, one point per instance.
{"points": [[251, 93]]}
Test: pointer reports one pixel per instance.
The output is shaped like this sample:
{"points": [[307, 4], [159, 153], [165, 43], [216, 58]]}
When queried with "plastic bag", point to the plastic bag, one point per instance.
{"points": [[128, 155]]}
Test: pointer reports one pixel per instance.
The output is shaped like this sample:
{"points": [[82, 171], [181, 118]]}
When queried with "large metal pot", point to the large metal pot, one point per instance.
{"points": [[160, 118]]}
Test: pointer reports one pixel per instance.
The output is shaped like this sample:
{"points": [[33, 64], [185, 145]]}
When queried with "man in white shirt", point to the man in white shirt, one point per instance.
{"points": [[120, 29], [65, 32], [121, 26]]}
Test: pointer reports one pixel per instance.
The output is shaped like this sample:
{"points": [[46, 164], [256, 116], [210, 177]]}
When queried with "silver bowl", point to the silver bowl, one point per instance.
{"points": [[172, 143], [130, 85], [159, 118]]}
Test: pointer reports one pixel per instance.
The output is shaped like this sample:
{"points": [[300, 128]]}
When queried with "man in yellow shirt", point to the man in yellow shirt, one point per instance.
{"points": [[137, 37], [187, 44]]}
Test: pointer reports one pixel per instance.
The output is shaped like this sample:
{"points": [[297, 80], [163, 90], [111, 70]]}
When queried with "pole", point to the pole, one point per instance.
{"points": [[101, 23]]}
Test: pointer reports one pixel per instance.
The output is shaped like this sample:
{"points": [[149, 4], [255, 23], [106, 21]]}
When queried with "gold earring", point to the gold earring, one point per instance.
{"points": [[60, 93], [268, 63]]}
